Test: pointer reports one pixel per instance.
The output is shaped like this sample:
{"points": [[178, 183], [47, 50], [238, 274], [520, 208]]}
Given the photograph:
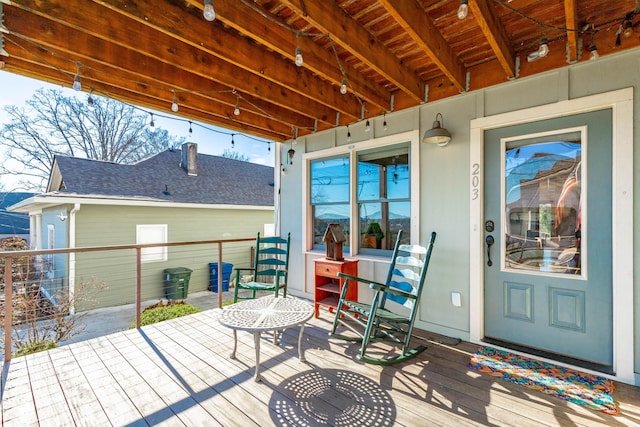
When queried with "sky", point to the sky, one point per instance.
{"points": [[16, 90]]}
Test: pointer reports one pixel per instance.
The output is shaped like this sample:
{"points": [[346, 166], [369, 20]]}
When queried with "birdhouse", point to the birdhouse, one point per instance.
{"points": [[333, 239]]}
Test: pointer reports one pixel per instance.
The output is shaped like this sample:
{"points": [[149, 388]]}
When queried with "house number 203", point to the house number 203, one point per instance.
{"points": [[475, 181]]}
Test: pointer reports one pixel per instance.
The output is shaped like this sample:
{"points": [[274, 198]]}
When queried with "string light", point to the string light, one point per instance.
{"points": [[190, 129], [236, 111], [384, 121], [90, 100], [463, 10], [343, 87], [174, 103], [233, 143], [367, 126], [269, 146], [543, 50], [152, 126], [77, 84], [348, 134], [209, 13], [299, 60]]}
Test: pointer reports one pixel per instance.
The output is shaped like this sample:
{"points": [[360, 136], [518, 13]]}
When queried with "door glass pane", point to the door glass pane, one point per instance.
{"points": [[544, 205]]}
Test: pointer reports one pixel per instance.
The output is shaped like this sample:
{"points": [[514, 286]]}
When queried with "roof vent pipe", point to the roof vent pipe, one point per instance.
{"points": [[190, 158]]}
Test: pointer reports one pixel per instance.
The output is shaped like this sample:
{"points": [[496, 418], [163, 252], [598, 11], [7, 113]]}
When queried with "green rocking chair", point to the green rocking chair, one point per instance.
{"points": [[269, 271], [391, 314]]}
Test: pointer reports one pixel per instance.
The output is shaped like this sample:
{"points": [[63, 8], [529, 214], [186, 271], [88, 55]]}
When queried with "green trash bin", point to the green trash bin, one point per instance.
{"points": [[176, 282]]}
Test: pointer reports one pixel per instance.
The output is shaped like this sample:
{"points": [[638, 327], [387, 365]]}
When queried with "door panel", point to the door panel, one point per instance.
{"points": [[548, 194]]}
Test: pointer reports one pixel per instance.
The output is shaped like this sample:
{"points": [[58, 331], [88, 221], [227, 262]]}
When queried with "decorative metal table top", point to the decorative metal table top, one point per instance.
{"points": [[266, 314]]}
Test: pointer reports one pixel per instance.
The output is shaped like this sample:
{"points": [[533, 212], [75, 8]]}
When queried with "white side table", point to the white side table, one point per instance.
{"points": [[266, 314]]}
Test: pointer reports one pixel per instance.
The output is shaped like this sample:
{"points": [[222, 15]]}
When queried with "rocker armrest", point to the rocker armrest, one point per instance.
{"points": [[389, 290], [360, 279], [245, 269]]}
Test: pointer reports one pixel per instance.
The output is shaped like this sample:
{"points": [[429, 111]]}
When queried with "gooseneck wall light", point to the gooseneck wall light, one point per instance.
{"points": [[437, 134]]}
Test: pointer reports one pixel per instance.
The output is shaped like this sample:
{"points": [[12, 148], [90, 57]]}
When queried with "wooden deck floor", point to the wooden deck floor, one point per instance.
{"points": [[179, 373]]}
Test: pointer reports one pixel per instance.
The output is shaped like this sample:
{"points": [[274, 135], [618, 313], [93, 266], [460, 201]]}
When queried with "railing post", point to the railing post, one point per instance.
{"points": [[8, 307], [220, 275], [138, 285]]}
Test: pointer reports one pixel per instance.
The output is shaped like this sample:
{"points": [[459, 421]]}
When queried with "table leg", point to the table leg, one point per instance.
{"points": [[256, 341], [235, 344], [300, 352]]}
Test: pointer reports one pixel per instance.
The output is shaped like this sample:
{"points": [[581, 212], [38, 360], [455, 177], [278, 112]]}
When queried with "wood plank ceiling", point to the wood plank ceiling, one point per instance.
{"points": [[392, 54]]}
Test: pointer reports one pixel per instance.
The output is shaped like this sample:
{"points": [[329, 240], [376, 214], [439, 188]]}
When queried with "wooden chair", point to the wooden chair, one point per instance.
{"points": [[391, 314], [269, 271]]}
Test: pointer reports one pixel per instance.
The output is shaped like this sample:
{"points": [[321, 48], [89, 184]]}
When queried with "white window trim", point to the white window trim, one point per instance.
{"points": [[413, 137], [152, 233]]}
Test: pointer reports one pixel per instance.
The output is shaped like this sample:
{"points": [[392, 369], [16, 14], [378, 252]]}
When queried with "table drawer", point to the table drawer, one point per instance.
{"points": [[328, 270]]}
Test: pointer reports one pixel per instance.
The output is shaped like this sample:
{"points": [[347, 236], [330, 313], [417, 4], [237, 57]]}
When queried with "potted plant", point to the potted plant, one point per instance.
{"points": [[373, 236]]}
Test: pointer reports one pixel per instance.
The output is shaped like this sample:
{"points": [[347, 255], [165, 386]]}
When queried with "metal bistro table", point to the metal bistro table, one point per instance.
{"points": [[266, 314]]}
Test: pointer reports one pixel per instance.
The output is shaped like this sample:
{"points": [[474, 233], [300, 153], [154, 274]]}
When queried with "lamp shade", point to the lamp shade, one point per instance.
{"points": [[437, 134]]}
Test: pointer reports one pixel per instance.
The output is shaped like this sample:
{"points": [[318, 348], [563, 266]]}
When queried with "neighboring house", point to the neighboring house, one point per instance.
{"points": [[174, 196], [13, 224], [541, 166]]}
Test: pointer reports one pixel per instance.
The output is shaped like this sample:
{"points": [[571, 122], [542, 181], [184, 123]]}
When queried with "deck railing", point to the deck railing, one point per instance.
{"points": [[9, 260]]}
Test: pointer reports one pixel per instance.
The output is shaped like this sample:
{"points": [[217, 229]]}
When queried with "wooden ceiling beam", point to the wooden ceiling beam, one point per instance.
{"points": [[421, 29], [193, 30], [322, 62], [495, 34], [52, 75], [88, 16], [97, 55], [571, 19], [142, 92], [351, 36]]}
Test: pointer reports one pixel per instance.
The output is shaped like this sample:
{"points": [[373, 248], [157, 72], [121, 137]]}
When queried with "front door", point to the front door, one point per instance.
{"points": [[548, 245]]}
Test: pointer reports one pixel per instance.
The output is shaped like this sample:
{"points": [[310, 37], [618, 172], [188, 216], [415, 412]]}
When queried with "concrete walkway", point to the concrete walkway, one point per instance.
{"points": [[104, 321]]}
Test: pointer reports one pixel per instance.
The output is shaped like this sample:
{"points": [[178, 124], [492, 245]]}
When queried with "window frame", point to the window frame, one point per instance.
{"points": [[410, 137]]}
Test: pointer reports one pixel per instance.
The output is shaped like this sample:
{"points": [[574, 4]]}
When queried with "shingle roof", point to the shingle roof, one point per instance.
{"points": [[220, 180], [13, 222]]}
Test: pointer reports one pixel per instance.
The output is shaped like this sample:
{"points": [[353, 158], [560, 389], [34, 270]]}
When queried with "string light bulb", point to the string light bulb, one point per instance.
{"points": [[298, 57], [209, 13], [77, 83], [236, 111], [152, 126], [541, 52], [190, 129], [367, 126], [593, 52], [343, 87], [233, 143], [90, 101], [174, 104], [627, 28], [384, 121], [348, 134], [299, 60], [463, 9]]}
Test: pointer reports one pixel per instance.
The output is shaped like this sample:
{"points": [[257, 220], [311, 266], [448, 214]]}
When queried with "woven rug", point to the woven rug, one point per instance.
{"points": [[584, 389]]}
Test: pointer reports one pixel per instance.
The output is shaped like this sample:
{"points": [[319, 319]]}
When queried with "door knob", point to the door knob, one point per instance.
{"points": [[490, 241]]}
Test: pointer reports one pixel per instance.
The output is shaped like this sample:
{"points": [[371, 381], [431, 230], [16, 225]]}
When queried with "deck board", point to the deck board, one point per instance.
{"points": [[179, 373]]}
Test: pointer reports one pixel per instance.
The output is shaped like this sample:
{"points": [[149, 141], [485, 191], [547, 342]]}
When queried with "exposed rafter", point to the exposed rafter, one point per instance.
{"points": [[393, 54]]}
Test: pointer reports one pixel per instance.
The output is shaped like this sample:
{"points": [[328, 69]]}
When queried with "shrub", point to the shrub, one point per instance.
{"points": [[159, 312], [34, 347]]}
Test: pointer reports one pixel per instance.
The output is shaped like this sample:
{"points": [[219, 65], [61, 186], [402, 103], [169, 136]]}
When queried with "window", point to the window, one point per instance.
{"points": [[152, 233], [384, 197], [329, 196], [370, 189]]}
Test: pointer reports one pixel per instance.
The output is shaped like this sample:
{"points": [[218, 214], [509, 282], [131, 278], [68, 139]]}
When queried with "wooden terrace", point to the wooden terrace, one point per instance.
{"points": [[178, 372]]}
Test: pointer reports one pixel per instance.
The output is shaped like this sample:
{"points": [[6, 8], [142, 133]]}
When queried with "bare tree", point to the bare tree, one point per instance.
{"points": [[53, 124], [231, 154]]}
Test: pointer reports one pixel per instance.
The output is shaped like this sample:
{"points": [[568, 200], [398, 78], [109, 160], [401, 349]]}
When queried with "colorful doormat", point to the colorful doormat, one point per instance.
{"points": [[584, 389]]}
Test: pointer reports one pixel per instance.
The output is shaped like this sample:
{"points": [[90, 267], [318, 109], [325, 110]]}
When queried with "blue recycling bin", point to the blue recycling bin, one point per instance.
{"points": [[226, 276]]}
